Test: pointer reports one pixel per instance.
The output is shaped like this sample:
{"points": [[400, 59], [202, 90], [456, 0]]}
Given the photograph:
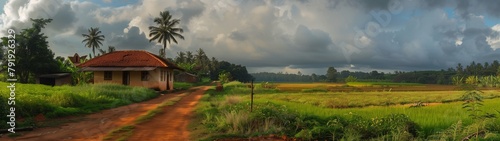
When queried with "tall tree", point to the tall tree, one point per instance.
{"points": [[214, 65], [93, 39], [202, 61], [314, 77], [181, 57], [460, 70], [33, 55], [111, 49], [331, 74], [166, 31], [162, 53], [189, 57]]}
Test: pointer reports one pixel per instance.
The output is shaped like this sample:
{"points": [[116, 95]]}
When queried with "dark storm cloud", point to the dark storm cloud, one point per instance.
{"points": [[193, 9], [491, 6], [64, 19], [236, 35], [370, 4], [284, 33], [131, 40], [311, 40], [435, 3]]}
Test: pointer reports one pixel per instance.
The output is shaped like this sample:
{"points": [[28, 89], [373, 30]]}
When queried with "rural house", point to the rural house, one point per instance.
{"points": [[187, 77], [132, 67]]}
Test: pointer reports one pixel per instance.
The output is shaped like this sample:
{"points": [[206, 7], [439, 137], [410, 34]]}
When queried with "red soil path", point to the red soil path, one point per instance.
{"points": [[95, 126], [171, 124]]}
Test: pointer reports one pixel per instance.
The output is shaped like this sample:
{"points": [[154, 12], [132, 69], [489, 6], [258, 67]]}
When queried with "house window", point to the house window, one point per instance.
{"points": [[108, 75], [145, 76], [162, 75]]}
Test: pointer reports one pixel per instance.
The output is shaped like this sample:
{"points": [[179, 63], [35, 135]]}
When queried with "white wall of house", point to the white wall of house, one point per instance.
{"points": [[154, 80]]}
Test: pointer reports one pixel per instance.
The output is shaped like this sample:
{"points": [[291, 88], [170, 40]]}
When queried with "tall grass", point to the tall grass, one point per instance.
{"points": [[430, 118], [369, 84], [183, 85], [363, 99], [317, 116], [58, 101]]}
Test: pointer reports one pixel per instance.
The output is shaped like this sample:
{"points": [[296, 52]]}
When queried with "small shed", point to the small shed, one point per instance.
{"points": [[55, 79], [187, 77]]}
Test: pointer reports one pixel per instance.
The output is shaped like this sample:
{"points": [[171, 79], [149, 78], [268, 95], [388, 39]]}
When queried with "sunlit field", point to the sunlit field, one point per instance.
{"points": [[366, 87], [363, 99], [360, 111]]}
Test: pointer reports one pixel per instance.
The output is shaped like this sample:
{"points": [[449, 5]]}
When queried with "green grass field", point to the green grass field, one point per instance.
{"points": [[363, 99], [59, 101], [344, 115], [369, 84]]}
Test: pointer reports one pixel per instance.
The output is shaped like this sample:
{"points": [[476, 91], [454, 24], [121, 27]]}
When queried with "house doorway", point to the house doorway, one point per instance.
{"points": [[168, 80], [126, 78]]}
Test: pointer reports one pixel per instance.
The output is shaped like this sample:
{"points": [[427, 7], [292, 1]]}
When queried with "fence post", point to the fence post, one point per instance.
{"points": [[251, 102]]}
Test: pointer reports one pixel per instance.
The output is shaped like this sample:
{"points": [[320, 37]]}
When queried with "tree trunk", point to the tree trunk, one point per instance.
{"points": [[164, 50], [93, 51]]}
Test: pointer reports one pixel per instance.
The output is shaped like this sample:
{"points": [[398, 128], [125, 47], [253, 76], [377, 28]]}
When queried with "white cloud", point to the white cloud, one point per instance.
{"points": [[494, 42], [277, 34]]}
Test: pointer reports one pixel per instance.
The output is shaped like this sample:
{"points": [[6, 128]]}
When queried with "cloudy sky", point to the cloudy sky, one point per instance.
{"points": [[282, 35]]}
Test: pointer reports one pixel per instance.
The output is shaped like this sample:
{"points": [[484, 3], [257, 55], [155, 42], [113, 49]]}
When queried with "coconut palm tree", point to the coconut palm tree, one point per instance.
{"points": [[93, 39], [166, 30], [189, 57], [181, 57]]}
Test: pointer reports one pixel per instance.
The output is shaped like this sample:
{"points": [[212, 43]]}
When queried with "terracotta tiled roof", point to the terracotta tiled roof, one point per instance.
{"points": [[129, 58], [75, 59]]}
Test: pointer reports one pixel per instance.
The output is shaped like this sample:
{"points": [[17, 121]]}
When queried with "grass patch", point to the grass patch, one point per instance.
{"points": [[121, 133], [60, 101], [148, 116], [187, 85], [12, 135], [363, 99], [380, 84], [183, 85], [151, 113], [338, 115]]}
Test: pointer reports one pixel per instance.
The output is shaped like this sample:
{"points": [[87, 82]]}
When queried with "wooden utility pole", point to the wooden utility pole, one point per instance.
{"points": [[251, 102]]}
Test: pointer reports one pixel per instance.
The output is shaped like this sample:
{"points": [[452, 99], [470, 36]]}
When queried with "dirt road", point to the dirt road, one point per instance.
{"points": [[171, 124], [95, 126]]}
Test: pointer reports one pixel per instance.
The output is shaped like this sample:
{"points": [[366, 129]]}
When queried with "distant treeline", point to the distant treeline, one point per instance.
{"points": [[336, 77], [198, 63], [425, 77]]}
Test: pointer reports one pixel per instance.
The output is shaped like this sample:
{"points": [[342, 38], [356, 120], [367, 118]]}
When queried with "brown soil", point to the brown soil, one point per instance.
{"points": [[171, 124], [95, 126]]}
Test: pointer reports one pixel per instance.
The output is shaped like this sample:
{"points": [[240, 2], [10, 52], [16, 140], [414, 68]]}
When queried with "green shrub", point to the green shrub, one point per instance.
{"points": [[351, 78]]}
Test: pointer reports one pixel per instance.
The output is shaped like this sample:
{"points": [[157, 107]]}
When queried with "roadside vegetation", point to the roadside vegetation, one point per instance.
{"points": [[60, 101], [187, 85], [227, 114]]}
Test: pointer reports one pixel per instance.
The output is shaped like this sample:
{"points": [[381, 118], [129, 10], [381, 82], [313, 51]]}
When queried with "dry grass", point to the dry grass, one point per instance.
{"points": [[363, 99], [231, 100], [390, 87], [300, 86]]}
